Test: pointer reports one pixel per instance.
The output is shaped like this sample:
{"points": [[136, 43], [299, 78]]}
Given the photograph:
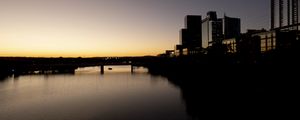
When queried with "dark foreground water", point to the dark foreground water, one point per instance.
{"points": [[88, 95]]}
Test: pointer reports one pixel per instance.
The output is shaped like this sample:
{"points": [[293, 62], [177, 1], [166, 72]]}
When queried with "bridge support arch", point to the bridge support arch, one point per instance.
{"points": [[102, 70]]}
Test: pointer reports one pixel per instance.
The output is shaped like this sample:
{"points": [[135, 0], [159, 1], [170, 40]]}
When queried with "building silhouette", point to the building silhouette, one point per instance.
{"points": [[220, 39], [215, 29], [277, 40], [284, 14], [212, 30], [231, 27], [200, 34], [191, 36]]}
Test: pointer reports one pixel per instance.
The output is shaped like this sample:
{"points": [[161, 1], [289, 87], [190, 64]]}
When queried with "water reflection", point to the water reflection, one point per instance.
{"points": [[88, 95], [110, 69], [2, 78], [120, 95]]}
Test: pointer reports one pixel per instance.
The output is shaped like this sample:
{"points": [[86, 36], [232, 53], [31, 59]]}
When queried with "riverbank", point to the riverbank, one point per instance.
{"points": [[229, 91]]}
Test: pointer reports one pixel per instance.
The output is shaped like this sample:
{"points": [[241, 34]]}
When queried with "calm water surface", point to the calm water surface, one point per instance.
{"points": [[88, 95]]}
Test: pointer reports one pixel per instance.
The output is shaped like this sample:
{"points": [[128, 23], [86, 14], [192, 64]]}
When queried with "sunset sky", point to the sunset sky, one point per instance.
{"points": [[90, 28]]}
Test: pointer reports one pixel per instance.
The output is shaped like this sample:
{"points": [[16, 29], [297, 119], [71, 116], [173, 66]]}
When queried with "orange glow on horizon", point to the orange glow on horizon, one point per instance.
{"points": [[36, 41], [75, 54], [79, 29]]}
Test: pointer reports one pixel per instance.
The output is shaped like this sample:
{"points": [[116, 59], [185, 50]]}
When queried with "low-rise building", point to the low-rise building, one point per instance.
{"points": [[276, 40]]}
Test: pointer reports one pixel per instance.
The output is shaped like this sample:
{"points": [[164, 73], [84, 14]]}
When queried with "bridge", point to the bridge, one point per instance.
{"points": [[10, 65], [102, 70]]}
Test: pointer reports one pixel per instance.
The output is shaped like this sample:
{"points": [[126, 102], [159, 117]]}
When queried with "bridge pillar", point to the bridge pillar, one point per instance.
{"points": [[132, 68], [102, 69]]}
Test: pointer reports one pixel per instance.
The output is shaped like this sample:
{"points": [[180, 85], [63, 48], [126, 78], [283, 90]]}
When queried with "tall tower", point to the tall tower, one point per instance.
{"points": [[288, 12], [272, 14], [295, 12], [191, 36], [280, 13], [281, 19]]}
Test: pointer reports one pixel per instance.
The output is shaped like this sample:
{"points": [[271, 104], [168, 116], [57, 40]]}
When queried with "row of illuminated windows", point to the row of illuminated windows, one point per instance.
{"points": [[231, 46], [268, 44]]}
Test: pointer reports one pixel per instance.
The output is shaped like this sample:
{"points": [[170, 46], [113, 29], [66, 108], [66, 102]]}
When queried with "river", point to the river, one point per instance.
{"points": [[87, 95]]}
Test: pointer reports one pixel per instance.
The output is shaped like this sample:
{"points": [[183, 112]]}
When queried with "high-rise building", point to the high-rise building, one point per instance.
{"points": [[211, 30], [215, 29], [193, 22], [199, 34], [191, 36], [231, 27], [285, 14]]}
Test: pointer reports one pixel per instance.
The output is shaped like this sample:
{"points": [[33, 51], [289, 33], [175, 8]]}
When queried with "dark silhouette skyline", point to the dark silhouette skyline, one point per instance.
{"points": [[52, 28], [221, 71]]}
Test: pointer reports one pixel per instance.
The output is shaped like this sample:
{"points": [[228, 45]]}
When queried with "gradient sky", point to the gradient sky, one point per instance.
{"points": [[86, 28]]}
